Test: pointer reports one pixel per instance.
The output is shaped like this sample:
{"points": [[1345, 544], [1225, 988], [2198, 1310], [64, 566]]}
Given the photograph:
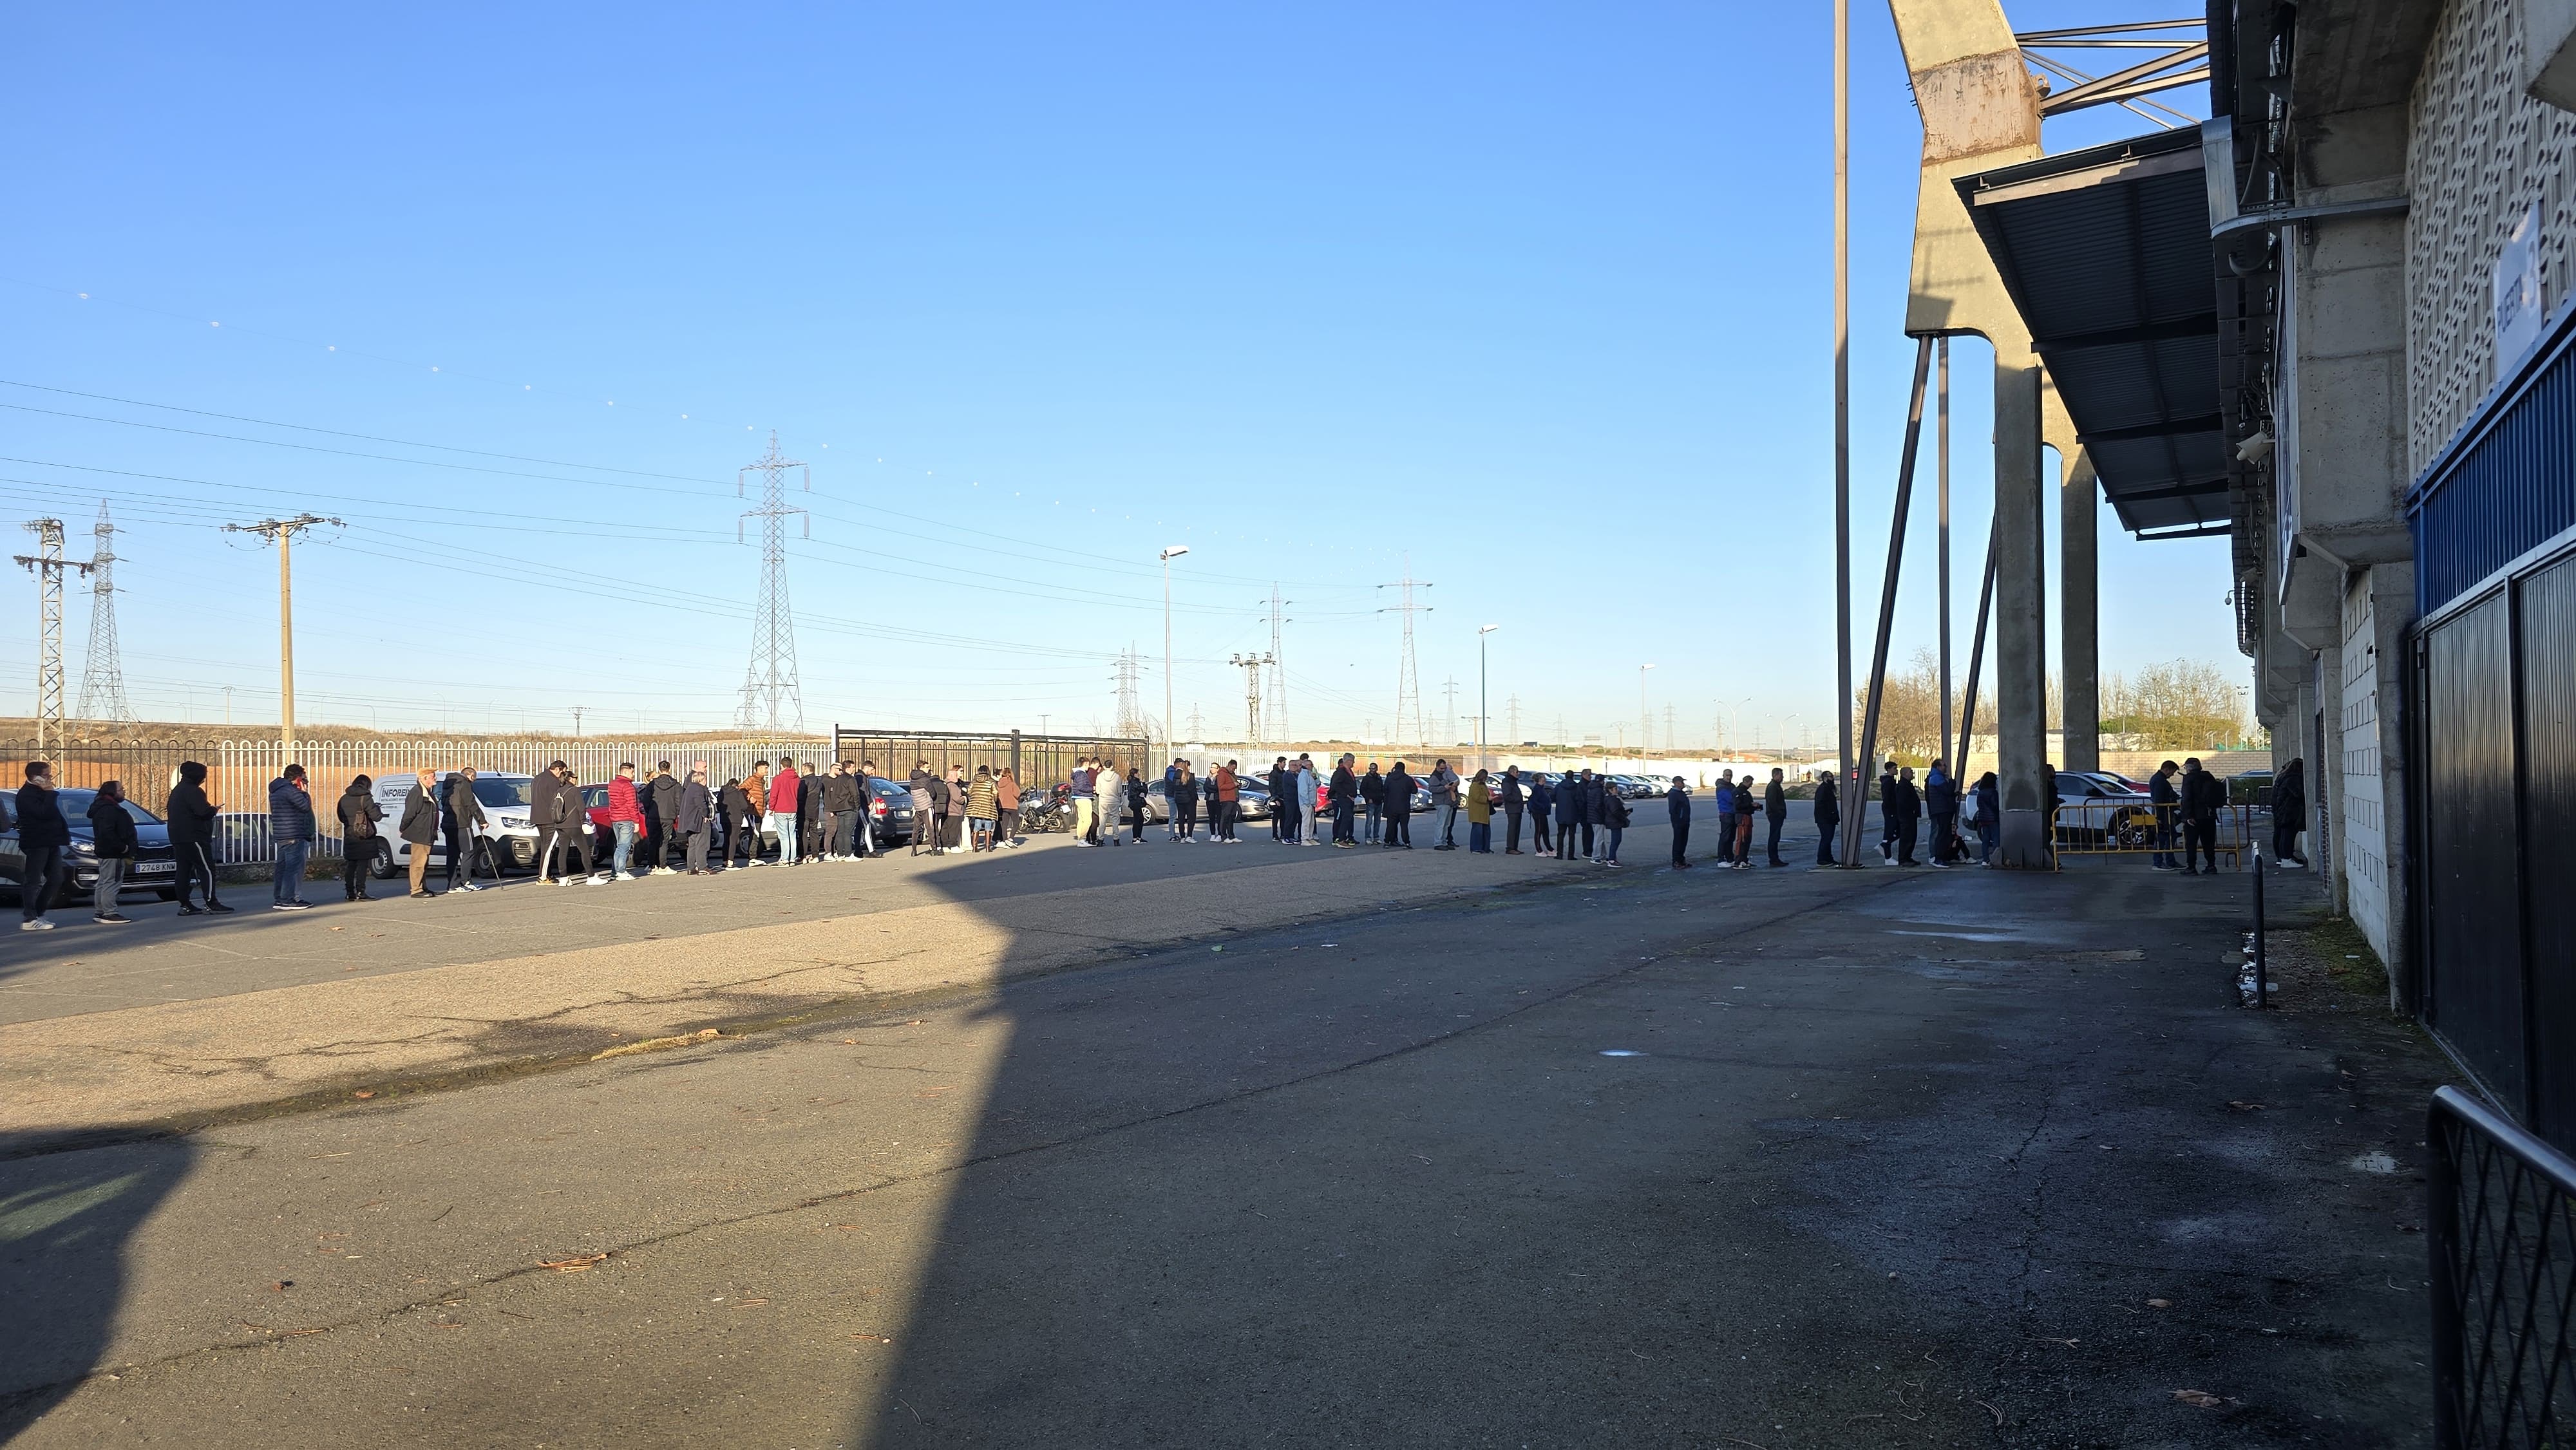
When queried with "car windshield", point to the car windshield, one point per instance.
{"points": [[76, 803], [494, 791]]}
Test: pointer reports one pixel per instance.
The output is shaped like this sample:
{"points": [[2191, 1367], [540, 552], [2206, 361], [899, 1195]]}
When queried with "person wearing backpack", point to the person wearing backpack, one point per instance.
{"points": [[358, 814]]}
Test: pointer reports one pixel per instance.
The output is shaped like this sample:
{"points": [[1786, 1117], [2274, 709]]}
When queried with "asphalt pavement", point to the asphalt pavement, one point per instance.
{"points": [[1770, 1158]]}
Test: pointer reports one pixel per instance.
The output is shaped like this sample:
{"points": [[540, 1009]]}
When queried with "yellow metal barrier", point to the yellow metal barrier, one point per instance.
{"points": [[2134, 828]]}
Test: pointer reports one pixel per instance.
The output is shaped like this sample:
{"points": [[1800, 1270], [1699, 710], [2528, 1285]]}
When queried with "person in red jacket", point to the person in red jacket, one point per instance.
{"points": [[782, 810], [625, 817]]}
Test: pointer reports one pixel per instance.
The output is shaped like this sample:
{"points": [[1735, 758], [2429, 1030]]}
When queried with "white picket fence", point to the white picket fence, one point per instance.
{"points": [[240, 772]]}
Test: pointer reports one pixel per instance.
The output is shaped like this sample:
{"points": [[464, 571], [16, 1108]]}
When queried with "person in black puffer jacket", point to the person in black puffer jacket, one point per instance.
{"points": [[192, 837], [43, 838]]}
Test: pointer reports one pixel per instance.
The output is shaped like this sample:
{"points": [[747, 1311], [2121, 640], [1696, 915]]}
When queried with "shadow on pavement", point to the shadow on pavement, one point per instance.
{"points": [[66, 1223], [1708, 1156]]}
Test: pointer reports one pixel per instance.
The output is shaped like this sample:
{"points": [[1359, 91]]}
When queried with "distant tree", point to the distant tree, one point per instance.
{"points": [[2177, 705], [1909, 721]]}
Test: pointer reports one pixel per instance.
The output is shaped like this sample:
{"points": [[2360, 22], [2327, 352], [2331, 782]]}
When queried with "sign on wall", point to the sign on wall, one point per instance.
{"points": [[2517, 292]]}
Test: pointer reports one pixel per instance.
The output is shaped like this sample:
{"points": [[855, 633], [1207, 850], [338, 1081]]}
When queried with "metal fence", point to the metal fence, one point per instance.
{"points": [[2130, 828], [1033, 759], [239, 771], [2501, 1225]]}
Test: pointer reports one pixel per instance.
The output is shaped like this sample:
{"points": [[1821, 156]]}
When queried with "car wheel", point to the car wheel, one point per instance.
{"points": [[383, 867]]}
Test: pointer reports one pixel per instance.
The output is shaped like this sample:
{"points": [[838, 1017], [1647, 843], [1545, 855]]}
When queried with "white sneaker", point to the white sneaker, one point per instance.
{"points": [[622, 876], [571, 880], [39, 924], [755, 861], [592, 881]]}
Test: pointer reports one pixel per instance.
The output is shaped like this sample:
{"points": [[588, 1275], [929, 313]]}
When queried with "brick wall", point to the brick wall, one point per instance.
{"points": [[2481, 152]]}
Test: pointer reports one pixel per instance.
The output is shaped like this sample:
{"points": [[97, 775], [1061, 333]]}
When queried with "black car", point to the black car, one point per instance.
{"points": [[154, 867]]}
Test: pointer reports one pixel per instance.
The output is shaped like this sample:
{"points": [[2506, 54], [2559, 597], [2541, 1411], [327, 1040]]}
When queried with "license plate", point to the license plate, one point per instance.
{"points": [[155, 868]]}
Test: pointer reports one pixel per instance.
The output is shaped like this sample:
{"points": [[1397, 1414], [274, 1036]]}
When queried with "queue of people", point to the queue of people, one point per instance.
{"points": [[827, 814]]}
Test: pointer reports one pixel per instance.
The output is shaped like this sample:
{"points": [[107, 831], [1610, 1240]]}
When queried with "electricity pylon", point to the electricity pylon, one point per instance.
{"points": [[102, 692], [771, 699], [1408, 687]]}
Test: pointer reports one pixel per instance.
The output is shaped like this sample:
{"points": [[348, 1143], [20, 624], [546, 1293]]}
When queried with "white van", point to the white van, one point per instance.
{"points": [[506, 837]]}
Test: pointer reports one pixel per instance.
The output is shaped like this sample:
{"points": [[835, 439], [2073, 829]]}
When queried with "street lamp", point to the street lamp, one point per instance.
{"points": [[1168, 555], [1484, 756], [1645, 727]]}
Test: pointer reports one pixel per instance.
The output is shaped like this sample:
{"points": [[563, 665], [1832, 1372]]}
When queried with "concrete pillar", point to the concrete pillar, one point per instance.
{"points": [[2392, 592], [2021, 653], [2079, 681]]}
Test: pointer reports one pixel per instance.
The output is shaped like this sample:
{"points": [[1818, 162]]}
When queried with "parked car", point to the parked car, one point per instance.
{"points": [[2111, 811], [506, 841], [155, 867]]}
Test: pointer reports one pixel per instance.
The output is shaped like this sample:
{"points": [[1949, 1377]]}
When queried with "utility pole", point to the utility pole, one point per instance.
{"points": [[576, 720], [102, 694], [1252, 667], [771, 697], [1484, 751], [1408, 689], [1168, 555], [1942, 445], [48, 564], [282, 532]]}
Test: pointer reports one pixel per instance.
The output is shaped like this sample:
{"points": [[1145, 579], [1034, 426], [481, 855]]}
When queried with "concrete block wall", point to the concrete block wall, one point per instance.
{"points": [[2480, 152]]}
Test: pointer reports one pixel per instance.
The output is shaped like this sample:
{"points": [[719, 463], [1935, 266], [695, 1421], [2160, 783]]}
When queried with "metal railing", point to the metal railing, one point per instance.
{"points": [[2501, 1226], [239, 771], [2135, 828]]}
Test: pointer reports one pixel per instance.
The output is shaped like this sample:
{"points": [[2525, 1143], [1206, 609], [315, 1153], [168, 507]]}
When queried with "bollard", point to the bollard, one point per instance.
{"points": [[2262, 982]]}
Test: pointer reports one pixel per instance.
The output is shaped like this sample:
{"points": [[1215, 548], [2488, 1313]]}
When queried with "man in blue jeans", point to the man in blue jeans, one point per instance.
{"points": [[290, 825]]}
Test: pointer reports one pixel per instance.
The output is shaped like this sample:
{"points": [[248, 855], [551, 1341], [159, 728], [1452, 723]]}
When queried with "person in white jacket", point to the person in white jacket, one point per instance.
{"points": [[1306, 783]]}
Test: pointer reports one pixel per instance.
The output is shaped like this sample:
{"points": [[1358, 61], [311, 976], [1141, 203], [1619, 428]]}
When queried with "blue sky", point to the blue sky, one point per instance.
{"points": [[1536, 299]]}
